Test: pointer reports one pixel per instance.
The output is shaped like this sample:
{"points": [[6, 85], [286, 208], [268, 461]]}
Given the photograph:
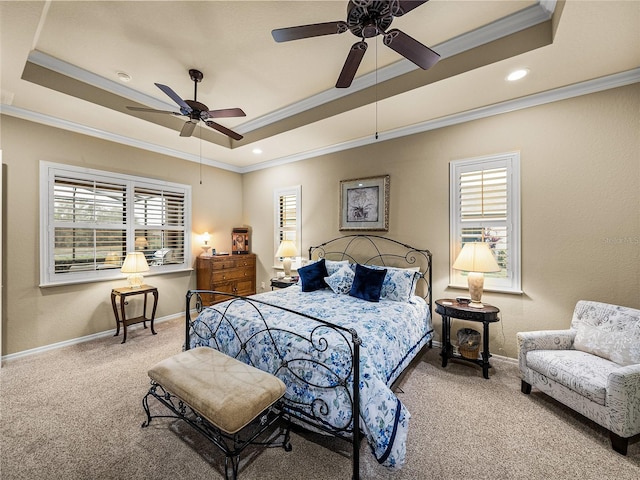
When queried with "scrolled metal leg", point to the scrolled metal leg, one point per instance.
{"points": [[145, 405]]}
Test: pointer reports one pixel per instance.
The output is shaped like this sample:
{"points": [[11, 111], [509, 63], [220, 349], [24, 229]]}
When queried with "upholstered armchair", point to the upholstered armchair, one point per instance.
{"points": [[593, 367]]}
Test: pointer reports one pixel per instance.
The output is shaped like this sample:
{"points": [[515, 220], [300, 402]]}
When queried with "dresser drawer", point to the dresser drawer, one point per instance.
{"points": [[233, 274], [243, 261]]}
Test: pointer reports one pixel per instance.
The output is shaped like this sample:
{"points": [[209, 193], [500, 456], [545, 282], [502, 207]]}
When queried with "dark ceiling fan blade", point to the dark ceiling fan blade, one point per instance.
{"points": [[226, 112], [411, 49], [184, 108], [405, 6], [224, 130], [351, 65], [151, 110], [306, 31], [187, 129]]}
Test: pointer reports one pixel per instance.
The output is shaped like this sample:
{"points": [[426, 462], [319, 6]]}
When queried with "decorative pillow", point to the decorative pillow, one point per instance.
{"points": [[331, 265], [621, 347], [334, 265], [312, 276], [341, 280], [399, 284], [367, 283]]}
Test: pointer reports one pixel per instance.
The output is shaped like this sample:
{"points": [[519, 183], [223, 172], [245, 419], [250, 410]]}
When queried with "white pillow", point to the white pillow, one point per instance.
{"points": [[334, 265], [621, 347], [341, 280], [399, 284]]}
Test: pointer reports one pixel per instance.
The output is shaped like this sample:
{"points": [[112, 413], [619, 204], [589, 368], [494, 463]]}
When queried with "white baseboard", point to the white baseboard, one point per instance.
{"points": [[74, 341]]}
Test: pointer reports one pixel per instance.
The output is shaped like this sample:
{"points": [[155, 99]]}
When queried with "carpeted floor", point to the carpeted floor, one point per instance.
{"points": [[75, 413]]}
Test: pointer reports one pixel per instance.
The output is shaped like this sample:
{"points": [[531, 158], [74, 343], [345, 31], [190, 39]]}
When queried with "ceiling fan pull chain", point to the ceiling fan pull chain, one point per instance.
{"points": [[376, 87]]}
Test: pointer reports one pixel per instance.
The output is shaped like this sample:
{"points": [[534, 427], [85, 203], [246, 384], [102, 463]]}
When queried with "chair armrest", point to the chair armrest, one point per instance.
{"points": [[623, 400], [543, 340]]}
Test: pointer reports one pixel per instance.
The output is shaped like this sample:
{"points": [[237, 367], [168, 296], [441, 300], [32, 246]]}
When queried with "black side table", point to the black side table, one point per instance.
{"points": [[282, 283], [122, 293], [449, 308]]}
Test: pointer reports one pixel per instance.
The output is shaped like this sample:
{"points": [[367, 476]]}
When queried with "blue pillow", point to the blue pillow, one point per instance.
{"points": [[367, 283], [312, 276]]}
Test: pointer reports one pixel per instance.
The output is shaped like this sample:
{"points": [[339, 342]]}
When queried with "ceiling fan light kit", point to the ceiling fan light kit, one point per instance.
{"points": [[195, 110], [367, 19]]}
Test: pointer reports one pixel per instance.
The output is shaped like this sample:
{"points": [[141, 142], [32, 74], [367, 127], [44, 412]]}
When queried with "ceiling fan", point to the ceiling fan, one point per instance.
{"points": [[195, 110], [367, 19]]}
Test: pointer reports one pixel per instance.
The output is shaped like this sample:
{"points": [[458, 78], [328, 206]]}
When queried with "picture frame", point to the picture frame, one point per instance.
{"points": [[240, 241], [364, 204]]}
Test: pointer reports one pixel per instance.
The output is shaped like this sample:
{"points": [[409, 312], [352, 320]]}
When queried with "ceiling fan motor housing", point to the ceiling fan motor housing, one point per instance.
{"points": [[366, 19]]}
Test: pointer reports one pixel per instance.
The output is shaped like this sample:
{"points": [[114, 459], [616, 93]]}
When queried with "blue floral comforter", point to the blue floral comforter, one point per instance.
{"points": [[392, 333]]}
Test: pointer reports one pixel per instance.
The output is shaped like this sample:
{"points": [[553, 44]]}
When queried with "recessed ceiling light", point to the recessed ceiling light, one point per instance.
{"points": [[517, 74], [124, 77], [257, 151]]}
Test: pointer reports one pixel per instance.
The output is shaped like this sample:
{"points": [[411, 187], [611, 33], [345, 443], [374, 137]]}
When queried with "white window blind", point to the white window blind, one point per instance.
{"points": [[287, 216], [485, 207], [90, 219], [159, 224]]}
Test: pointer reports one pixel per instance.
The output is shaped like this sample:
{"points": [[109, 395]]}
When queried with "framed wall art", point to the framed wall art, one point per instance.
{"points": [[364, 204]]}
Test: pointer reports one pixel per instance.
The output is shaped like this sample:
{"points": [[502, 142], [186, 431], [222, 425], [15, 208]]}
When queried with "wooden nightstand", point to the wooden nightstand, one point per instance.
{"points": [[122, 293], [449, 308], [282, 283]]}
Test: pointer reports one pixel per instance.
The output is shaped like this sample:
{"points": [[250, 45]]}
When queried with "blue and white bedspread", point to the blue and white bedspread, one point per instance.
{"points": [[318, 378]]}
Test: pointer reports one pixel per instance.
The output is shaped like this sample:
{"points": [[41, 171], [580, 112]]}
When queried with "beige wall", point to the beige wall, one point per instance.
{"points": [[33, 316], [580, 174]]}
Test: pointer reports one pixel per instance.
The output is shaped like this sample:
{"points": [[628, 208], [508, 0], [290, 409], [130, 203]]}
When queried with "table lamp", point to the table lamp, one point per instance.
{"points": [[205, 246], [134, 265], [477, 259], [286, 250]]}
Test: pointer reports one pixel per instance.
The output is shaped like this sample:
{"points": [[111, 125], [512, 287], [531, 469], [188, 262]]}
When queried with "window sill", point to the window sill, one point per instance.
{"points": [[110, 278], [514, 291]]}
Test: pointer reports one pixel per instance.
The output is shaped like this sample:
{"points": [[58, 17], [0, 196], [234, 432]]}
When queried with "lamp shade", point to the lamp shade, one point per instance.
{"points": [[476, 257], [141, 243], [287, 249], [135, 263]]}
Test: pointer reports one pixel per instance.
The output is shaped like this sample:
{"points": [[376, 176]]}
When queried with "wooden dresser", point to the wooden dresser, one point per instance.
{"points": [[226, 273]]}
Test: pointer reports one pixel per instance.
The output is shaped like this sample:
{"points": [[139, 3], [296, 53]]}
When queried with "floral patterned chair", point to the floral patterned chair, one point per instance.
{"points": [[592, 367]]}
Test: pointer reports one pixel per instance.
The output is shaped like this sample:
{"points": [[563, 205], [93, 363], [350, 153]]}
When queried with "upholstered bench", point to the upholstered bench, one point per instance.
{"points": [[219, 396]]}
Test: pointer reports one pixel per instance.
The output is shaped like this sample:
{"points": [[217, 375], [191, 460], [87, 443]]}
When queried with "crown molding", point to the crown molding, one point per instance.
{"points": [[583, 88], [52, 121]]}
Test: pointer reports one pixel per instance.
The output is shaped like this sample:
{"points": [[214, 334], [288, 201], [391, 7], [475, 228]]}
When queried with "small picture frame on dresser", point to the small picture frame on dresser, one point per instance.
{"points": [[240, 241]]}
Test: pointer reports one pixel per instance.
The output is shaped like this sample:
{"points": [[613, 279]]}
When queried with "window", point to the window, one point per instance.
{"points": [[90, 219], [287, 216], [485, 207]]}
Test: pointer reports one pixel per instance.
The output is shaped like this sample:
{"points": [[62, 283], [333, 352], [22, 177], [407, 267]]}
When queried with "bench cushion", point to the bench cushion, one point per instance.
{"points": [[225, 391]]}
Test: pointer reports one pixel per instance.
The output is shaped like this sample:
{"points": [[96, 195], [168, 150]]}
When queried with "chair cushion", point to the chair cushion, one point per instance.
{"points": [[225, 391], [581, 372], [620, 346]]}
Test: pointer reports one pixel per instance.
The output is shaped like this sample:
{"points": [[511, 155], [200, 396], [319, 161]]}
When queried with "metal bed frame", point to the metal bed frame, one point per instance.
{"points": [[363, 249]]}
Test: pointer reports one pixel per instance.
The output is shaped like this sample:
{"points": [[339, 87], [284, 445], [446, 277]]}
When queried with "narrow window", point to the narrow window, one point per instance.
{"points": [[485, 207], [287, 217]]}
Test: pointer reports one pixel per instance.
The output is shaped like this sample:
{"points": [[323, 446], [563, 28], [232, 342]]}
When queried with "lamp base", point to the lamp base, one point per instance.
{"points": [[475, 305], [135, 280], [286, 265], [475, 280]]}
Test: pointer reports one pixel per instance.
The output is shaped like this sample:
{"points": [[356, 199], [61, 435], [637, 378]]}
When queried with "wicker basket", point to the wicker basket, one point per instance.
{"points": [[469, 352], [468, 343]]}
